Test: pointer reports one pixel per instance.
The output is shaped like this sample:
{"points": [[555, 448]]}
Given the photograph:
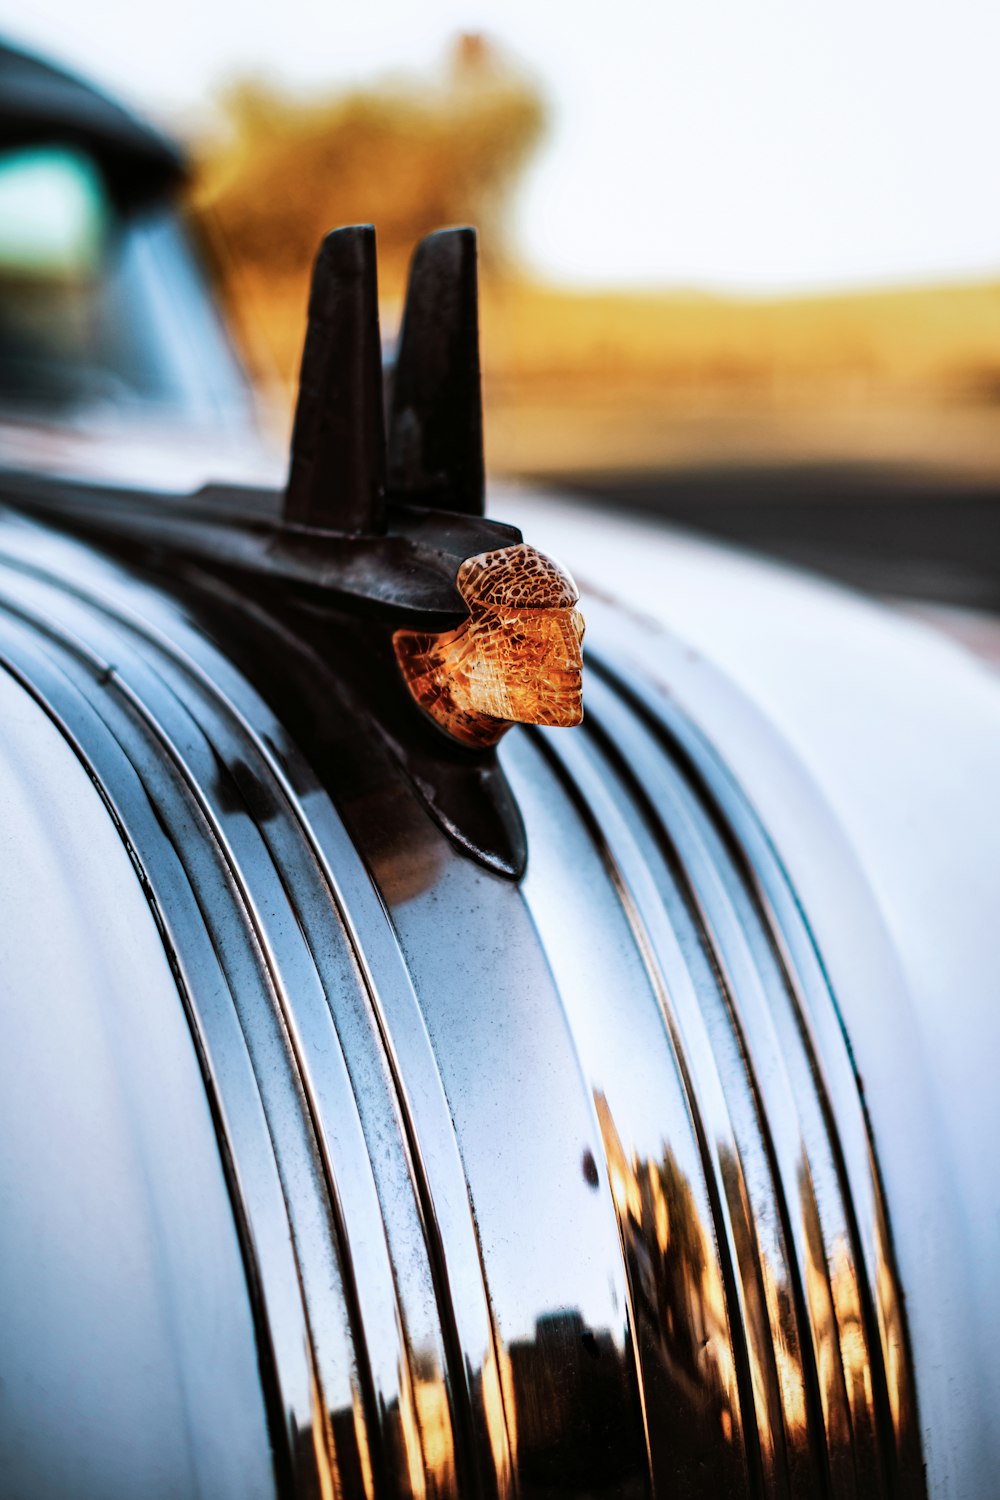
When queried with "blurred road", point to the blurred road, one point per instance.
{"points": [[888, 531]]}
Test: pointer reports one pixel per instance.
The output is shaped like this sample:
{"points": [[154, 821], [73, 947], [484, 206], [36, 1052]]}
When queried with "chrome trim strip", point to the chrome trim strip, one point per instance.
{"points": [[703, 1241], [698, 1400], [248, 1153], [164, 752], [242, 730], [848, 1205], [777, 1270]]}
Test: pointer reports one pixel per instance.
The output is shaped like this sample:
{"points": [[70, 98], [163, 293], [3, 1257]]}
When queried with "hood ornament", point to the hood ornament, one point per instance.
{"points": [[517, 659], [516, 656], [442, 626]]}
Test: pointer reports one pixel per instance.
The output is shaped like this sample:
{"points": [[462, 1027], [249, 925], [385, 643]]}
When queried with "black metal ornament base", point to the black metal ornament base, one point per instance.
{"points": [[373, 525]]}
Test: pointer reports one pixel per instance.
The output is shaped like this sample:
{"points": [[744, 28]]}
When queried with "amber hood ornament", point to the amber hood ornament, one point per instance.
{"points": [[440, 626], [518, 657]]}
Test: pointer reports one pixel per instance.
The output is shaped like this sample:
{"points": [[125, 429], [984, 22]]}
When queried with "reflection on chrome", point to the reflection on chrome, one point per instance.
{"points": [[853, 1352], [606, 1223], [414, 1457], [748, 1244], [501, 1417], [787, 1358], [563, 1398], [676, 1285], [434, 1416], [572, 1430], [892, 1331], [324, 1453]]}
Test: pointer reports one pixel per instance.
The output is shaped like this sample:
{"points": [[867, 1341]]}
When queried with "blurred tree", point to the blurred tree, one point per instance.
{"points": [[404, 155]]}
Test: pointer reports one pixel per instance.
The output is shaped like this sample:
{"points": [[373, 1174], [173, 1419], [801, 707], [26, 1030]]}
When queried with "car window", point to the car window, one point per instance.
{"points": [[101, 305]]}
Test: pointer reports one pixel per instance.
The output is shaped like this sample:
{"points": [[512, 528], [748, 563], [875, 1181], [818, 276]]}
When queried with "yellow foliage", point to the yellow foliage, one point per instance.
{"points": [[408, 157], [576, 379]]}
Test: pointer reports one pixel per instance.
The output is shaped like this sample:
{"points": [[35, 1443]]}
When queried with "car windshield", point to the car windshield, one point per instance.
{"points": [[102, 306]]}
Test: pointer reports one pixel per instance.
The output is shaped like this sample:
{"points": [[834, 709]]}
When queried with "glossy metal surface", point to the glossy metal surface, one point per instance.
{"points": [[550, 1187], [127, 1351], [803, 1350], [868, 748], [180, 784]]}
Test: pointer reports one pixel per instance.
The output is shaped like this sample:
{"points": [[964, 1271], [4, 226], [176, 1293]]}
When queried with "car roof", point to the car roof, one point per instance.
{"points": [[41, 102]]}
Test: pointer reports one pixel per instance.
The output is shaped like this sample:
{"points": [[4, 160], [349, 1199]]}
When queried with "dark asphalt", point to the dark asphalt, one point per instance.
{"points": [[890, 532]]}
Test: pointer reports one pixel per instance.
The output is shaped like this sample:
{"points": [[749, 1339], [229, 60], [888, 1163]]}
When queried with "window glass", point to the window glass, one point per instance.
{"points": [[101, 306]]}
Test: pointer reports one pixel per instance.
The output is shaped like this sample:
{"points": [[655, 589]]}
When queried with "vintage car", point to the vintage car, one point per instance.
{"points": [[393, 1105]]}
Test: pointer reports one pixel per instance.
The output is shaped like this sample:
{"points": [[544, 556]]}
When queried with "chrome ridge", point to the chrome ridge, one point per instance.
{"points": [[551, 1187]]}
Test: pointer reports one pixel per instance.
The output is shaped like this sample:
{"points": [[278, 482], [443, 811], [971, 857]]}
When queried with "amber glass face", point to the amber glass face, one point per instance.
{"points": [[516, 659]]}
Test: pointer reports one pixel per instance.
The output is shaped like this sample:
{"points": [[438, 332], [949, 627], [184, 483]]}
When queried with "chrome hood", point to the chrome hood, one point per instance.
{"points": [[665, 1169]]}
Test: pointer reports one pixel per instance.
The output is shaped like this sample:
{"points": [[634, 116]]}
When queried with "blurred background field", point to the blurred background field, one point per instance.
{"points": [[580, 382], [740, 265]]}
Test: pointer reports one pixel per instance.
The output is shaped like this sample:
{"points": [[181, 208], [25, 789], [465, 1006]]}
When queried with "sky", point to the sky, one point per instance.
{"points": [[731, 145]]}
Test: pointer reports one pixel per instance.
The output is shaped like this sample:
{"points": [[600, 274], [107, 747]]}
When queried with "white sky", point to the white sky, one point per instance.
{"points": [[736, 144]]}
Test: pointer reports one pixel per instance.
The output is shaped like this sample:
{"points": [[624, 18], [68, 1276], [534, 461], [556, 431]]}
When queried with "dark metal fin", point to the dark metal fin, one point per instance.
{"points": [[336, 479], [436, 426]]}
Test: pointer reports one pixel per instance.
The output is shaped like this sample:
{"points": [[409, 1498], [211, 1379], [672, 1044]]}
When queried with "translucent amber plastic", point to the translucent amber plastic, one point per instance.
{"points": [[516, 659]]}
